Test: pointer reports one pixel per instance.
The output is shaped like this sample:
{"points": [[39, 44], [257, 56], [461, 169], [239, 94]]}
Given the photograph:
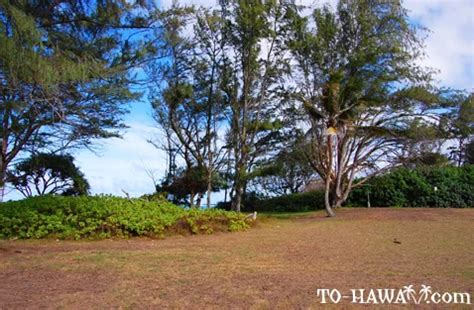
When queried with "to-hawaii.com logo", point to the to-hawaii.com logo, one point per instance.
{"points": [[404, 295]]}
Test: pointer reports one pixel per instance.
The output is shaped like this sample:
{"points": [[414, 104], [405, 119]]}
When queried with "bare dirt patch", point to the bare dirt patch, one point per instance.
{"points": [[278, 264]]}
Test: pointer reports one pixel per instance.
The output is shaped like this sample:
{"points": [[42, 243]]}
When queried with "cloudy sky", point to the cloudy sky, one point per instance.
{"points": [[122, 164]]}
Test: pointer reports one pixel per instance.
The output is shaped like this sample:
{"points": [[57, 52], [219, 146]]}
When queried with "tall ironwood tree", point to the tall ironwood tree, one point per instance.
{"points": [[254, 64], [186, 95]]}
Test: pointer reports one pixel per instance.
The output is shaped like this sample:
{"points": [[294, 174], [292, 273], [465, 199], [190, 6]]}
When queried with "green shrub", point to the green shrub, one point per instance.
{"points": [[441, 187], [107, 216], [299, 202]]}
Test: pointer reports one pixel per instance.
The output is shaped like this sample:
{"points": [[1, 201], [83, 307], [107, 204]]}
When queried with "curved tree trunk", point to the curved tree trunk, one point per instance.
{"points": [[327, 200], [3, 177]]}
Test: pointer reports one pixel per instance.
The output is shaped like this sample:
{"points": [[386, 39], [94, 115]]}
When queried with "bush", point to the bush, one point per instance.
{"points": [[442, 187], [106, 216], [299, 202]]}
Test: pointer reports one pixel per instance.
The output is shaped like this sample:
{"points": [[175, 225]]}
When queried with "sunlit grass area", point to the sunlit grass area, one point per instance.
{"points": [[279, 263]]}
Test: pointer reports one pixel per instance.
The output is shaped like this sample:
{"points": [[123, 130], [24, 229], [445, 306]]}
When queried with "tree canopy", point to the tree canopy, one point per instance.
{"points": [[64, 72], [266, 95], [45, 173]]}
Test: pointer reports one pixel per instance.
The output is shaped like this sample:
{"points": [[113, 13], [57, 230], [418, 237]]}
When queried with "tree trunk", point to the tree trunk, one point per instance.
{"points": [[237, 201], [209, 191], [3, 176], [209, 188], [191, 200], [460, 154], [327, 200], [198, 201], [239, 183]]}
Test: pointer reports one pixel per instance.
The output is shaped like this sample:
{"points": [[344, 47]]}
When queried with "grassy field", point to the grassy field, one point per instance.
{"points": [[278, 264]]}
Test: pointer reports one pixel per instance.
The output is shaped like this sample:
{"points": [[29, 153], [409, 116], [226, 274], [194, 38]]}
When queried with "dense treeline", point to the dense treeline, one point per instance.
{"points": [[251, 96]]}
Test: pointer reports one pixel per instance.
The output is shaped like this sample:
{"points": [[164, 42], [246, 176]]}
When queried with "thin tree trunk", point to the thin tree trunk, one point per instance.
{"points": [[238, 187], [209, 191], [460, 155], [3, 176], [327, 200]]}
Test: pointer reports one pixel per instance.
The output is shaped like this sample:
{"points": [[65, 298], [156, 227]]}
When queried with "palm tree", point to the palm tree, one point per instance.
{"points": [[409, 292], [424, 292]]}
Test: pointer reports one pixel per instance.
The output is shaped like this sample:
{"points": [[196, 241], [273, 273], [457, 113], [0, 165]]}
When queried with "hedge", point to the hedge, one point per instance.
{"points": [[299, 202], [106, 216], [443, 187]]}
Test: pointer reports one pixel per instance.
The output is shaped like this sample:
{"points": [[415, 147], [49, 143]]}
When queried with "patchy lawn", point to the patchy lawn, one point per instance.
{"points": [[280, 263]]}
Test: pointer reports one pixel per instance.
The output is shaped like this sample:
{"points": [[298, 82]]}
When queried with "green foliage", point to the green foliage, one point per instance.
{"points": [[286, 172], [187, 103], [189, 181], [361, 85], [106, 216], [158, 197], [426, 159], [444, 187], [469, 160], [299, 202], [48, 174], [250, 79], [65, 72], [460, 127]]}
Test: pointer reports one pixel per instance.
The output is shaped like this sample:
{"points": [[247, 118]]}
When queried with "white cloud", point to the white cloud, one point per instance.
{"points": [[450, 45], [122, 163]]}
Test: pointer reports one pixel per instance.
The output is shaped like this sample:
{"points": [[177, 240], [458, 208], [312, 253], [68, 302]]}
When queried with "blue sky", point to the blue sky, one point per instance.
{"points": [[121, 164]]}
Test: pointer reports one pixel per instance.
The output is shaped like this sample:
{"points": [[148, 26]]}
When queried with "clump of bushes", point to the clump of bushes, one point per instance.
{"points": [[106, 216], [444, 187], [299, 202], [435, 187]]}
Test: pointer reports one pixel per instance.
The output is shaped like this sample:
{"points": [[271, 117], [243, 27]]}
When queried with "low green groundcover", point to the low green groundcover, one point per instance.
{"points": [[106, 216]]}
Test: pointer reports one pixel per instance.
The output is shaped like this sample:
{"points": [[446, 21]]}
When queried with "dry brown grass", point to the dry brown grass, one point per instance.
{"points": [[278, 264]]}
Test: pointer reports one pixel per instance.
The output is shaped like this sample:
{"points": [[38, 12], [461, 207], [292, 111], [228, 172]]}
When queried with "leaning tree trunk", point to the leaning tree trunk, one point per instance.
{"points": [[3, 177]]}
